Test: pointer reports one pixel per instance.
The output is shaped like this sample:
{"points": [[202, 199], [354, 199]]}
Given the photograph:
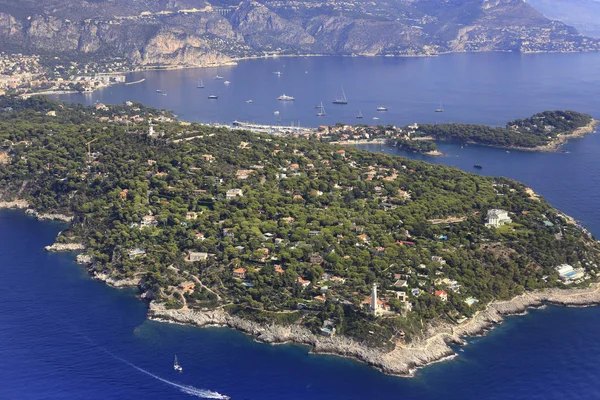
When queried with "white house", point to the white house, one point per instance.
{"points": [[231, 193], [148, 221], [568, 273], [497, 218], [194, 256]]}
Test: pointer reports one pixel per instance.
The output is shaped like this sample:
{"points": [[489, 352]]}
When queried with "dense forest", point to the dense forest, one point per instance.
{"points": [[538, 130], [281, 229]]}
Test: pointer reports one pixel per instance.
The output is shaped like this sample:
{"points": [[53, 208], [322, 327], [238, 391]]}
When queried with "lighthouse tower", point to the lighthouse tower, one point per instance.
{"points": [[151, 129], [374, 308]]}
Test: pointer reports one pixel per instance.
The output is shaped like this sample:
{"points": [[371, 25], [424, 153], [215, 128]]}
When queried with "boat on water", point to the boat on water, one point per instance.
{"points": [[321, 112], [218, 77], [440, 108], [275, 112], [278, 73], [164, 93], [159, 91], [227, 82], [213, 97], [249, 101], [341, 100], [382, 108], [478, 166], [359, 116], [176, 365], [200, 84], [284, 97], [375, 118]]}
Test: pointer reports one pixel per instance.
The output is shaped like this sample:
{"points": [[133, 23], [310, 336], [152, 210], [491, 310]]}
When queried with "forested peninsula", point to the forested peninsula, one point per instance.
{"points": [[545, 131], [355, 253]]}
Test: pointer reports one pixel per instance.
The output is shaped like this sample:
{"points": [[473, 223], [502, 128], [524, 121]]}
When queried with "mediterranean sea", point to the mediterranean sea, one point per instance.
{"points": [[487, 88], [65, 336]]}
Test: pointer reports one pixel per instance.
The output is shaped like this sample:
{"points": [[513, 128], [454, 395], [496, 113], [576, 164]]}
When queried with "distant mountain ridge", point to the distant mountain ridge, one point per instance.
{"points": [[196, 32], [581, 14]]}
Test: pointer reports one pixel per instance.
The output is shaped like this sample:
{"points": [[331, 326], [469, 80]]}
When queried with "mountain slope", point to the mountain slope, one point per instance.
{"points": [[582, 14], [196, 32]]}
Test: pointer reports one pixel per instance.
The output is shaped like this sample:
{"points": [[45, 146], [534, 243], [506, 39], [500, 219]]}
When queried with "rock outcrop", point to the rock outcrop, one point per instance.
{"points": [[116, 283], [49, 216], [59, 247], [14, 204]]}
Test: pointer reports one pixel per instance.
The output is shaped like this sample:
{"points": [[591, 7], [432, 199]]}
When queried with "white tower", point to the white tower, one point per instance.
{"points": [[151, 129], [374, 299]]}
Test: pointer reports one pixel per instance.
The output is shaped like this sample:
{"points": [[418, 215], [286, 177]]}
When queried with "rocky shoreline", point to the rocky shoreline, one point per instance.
{"points": [[15, 204], [404, 360], [562, 139], [59, 247], [49, 216], [116, 283]]}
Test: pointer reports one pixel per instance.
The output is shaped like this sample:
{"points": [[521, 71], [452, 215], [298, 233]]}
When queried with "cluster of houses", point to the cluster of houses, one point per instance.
{"points": [[360, 133]]}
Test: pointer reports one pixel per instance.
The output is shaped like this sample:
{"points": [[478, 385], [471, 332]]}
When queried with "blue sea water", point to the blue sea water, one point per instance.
{"points": [[489, 88], [65, 336]]}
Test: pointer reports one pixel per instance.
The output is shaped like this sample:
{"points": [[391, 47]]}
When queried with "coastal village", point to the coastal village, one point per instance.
{"points": [[26, 75]]}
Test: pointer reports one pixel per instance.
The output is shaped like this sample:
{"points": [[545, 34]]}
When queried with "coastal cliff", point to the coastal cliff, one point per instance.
{"points": [[433, 347]]}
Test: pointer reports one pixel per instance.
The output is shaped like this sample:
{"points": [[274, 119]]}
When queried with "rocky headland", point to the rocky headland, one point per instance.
{"points": [[405, 359]]}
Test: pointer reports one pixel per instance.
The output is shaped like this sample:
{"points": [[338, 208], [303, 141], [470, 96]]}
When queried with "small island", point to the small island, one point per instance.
{"points": [[546, 131], [359, 254]]}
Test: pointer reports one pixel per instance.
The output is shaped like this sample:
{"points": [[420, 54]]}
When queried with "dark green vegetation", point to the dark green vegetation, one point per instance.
{"points": [[341, 219], [538, 130]]}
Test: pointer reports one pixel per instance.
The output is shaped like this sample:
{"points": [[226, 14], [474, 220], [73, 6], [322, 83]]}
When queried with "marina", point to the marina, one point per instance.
{"points": [[271, 129]]}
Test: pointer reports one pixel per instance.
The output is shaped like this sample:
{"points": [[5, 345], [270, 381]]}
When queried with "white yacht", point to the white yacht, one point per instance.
{"points": [[176, 365]]}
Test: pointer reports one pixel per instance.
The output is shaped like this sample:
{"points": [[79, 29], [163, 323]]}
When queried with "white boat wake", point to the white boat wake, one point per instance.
{"points": [[187, 389]]}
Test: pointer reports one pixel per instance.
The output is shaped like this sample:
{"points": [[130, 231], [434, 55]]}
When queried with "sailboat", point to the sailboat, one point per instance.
{"points": [[200, 84], [341, 100], [359, 116], [164, 93], [321, 112], [440, 108], [176, 365]]}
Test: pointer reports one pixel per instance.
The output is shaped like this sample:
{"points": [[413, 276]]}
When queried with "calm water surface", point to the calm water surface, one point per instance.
{"points": [[490, 88], [64, 336]]}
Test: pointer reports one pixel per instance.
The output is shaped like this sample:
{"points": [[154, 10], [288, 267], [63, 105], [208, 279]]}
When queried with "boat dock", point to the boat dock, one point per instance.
{"points": [[288, 129]]}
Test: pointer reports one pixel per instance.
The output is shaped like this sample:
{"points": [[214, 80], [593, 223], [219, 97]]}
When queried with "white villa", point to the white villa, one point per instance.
{"points": [[567, 273], [497, 218], [232, 193]]}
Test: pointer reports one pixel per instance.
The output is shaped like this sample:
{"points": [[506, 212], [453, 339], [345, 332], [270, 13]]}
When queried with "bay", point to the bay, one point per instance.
{"points": [[488, 88]]}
